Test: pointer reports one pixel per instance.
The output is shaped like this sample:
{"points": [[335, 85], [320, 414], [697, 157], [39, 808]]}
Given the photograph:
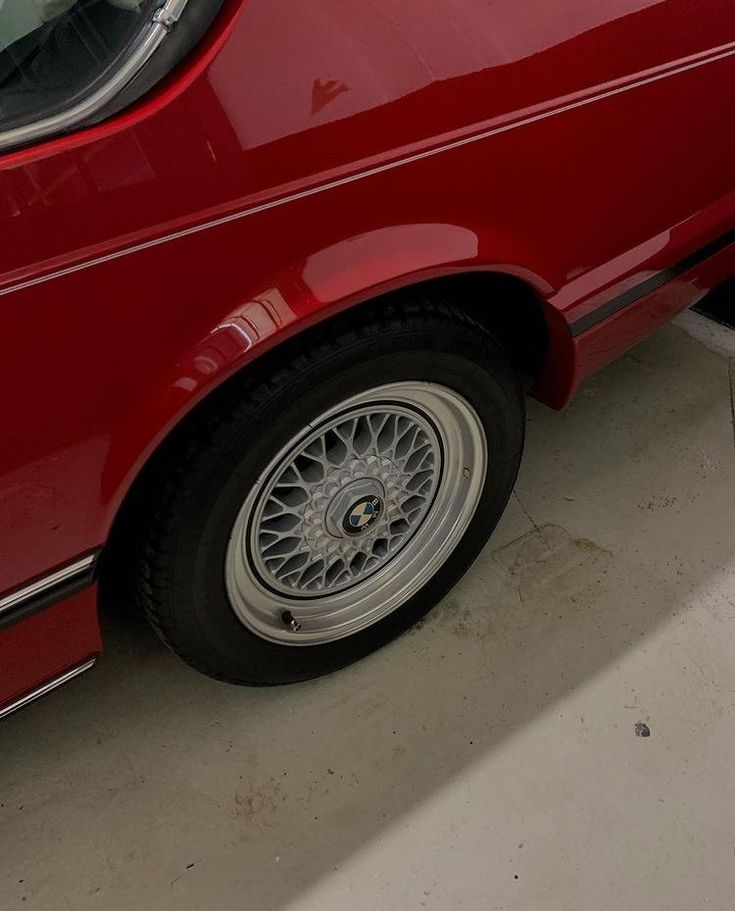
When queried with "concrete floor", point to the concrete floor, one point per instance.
{"points": [[489, 759]]}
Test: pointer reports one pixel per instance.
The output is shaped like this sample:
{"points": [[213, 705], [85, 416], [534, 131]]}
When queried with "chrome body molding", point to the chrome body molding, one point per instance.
{"points": [[47, 583], [147, 43], [46, 688]]}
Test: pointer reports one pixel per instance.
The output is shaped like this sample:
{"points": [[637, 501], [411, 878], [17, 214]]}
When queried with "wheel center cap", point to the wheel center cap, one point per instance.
{"points": [[362, 515], [355, 508]]}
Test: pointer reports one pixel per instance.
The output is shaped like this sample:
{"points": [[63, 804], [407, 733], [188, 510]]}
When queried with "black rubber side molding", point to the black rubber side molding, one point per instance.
{"points": [[651, 284]]}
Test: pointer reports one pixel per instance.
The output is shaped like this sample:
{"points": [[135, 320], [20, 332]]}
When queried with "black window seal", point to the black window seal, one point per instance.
{"points": [[150, 57]]}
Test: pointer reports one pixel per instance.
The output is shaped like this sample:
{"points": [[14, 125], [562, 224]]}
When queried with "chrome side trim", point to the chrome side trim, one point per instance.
{"points": [[46, 688], [164, 19], [48, 582], [590, 96]]}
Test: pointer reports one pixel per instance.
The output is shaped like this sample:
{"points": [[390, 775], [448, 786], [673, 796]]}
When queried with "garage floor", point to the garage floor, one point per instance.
{"points": [[489, 759]]}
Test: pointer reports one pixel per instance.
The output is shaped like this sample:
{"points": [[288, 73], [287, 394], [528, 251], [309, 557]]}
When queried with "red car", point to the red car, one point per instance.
{"points": [[273, 274]]}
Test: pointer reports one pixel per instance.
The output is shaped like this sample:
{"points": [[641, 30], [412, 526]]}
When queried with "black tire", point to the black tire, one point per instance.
{"points": [[179, 577]]}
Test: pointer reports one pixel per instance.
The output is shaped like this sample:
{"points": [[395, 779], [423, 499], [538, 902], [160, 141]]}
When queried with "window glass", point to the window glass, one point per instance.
{"points": [[55, 52]]}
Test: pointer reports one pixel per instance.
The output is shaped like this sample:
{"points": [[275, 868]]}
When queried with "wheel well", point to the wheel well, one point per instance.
{"points": [[509, 308], [506, 306]]}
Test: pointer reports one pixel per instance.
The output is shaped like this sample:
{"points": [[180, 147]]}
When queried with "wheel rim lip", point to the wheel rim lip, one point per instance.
{"points": [[336, 615]]}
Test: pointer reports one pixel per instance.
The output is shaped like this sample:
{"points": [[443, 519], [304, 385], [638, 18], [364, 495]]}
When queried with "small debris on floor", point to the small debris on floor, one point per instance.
{"points": [[642, 729]]}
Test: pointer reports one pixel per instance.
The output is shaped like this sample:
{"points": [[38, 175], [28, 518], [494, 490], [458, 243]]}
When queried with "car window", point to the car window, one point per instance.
{"points": [[53, 53]]}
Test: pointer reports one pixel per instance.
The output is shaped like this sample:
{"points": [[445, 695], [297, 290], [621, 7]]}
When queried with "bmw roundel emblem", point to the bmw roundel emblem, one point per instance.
{"points": [[361, 515]]}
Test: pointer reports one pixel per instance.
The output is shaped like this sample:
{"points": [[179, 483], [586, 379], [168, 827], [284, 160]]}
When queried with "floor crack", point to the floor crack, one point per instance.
{"points": [[731, 376], [527, 514]]}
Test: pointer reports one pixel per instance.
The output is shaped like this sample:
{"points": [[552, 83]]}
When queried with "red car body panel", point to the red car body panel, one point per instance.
{"points": [[306, 158]]}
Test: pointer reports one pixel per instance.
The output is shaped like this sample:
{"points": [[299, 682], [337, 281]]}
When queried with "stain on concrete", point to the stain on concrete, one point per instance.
{"points": [[546, 563], [546, 566], [658, 502], [591, 547], [259, 804]]}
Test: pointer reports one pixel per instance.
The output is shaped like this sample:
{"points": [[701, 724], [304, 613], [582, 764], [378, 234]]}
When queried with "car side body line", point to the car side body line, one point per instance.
{"points": [[541, 112]]}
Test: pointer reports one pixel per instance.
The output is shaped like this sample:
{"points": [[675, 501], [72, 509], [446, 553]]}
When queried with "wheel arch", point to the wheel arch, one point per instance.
{"points": [[511, 307]]}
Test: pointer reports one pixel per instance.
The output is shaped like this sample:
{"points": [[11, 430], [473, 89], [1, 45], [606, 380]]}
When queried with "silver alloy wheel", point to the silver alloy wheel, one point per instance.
{"points": [[356, 513]]}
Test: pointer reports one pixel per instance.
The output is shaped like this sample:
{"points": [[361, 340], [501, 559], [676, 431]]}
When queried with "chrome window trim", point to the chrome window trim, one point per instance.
{"points": [[46, 688], [148, 42], [48, 582]]}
